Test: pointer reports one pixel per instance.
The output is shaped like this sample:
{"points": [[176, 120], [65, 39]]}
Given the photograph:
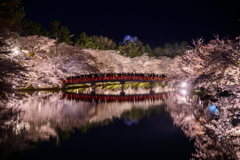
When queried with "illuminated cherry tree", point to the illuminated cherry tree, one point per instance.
{"points": [[214, 63]]}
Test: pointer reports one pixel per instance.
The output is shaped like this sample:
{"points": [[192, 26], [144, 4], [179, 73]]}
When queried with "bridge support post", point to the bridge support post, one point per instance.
{"points": [[151, 84], [122, 93], [66, 87], [93, 87]]}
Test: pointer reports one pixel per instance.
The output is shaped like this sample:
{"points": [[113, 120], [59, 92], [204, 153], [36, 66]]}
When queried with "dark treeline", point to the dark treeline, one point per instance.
{"points": [[129, 48], [170, 50], [11, 13]]}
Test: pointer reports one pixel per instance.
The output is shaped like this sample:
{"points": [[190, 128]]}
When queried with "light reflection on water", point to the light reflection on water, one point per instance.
{"points": [[50, 110], [42, 114], [46, 115], [115, 89]]}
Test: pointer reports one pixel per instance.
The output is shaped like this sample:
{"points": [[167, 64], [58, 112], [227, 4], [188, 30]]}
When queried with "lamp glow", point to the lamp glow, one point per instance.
{"points": [[184, 84], [184, 92]]}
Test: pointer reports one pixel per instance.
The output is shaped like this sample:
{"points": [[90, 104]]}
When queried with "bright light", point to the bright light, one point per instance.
{"points": [[39, 93], [13, 94], [184, 92], [39, 85], [184, 84]]}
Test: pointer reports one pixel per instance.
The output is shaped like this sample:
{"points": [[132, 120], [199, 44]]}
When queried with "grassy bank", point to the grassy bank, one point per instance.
{"points": [[108, 85]]}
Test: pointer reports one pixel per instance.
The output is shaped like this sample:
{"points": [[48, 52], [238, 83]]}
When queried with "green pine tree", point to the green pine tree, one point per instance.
{"points": [[104, 43], [11, 13], [148, 50], [54, 28], [157, 51], [32, 28], [131, 49], [63, 33], [84, 41]]}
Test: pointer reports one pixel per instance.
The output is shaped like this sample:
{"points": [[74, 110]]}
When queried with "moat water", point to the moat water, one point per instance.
{"points": [[51, 126]]}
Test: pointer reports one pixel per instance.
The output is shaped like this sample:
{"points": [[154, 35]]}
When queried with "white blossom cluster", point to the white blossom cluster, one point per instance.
{"points": [[215, 63], [47, 63]]}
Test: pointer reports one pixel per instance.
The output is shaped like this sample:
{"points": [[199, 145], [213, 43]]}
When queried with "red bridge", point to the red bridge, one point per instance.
{"points": [[122, 79], [113, 79]]}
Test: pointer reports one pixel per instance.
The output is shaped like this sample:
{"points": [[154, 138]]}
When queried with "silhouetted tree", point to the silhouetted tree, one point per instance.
{"points": [[157, 51], [131, 49], [148, 50], [54, 28], [171, 50], [84, 41], [11, 12], [33, 28], [103, 43], [63, 33]]}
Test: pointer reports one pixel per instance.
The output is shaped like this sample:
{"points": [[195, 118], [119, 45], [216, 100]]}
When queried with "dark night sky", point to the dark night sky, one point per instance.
{"points": [[153, 21]]}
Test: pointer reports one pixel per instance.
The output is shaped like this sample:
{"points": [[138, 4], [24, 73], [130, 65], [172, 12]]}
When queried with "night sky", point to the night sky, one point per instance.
{"points": [[153, 21]]}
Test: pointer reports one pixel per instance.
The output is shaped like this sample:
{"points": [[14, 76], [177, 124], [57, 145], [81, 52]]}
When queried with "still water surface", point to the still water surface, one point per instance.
{"points": [[52, 127]]}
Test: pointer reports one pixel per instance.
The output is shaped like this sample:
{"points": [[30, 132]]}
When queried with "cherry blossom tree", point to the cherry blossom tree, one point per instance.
{"points": [[214, 63]]}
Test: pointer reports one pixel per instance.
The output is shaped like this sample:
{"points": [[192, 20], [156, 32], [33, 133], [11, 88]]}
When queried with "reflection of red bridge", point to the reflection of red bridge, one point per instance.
{"points": [[89, 97], [121, 79]]}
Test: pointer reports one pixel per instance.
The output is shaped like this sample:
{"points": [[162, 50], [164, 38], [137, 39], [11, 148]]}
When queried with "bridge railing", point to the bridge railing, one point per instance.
{"points": [[108, 78]]}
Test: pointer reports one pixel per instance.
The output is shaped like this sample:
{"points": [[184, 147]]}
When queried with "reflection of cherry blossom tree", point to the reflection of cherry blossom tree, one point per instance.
{"points": [[12, 130], [215, 138], [44, 115]]}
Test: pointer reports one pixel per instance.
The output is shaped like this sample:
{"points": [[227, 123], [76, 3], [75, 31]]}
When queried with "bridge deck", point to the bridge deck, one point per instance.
{"points": [[101, 81], [114, 79]]}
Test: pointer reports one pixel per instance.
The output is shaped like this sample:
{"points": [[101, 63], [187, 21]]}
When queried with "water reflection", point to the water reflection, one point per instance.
{"points": [[50, 111], [113, 98], [50, 115], [53, 116], [129, 89], [215, 137]]}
